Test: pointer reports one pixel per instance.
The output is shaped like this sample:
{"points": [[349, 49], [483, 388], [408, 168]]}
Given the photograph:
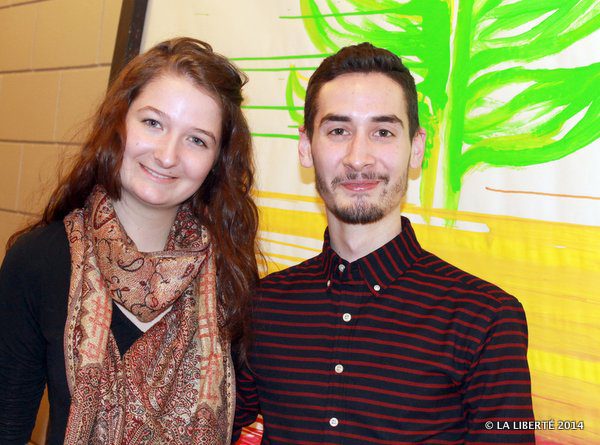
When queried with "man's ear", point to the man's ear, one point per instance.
{"points": [[304, 149], [418, 148]]}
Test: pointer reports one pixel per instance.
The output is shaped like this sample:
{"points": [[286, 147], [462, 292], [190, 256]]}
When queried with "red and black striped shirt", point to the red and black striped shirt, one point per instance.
{"points": [[396, 347]]}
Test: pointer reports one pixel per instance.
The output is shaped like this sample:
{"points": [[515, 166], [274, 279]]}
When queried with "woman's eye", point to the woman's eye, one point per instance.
{"points": [[197, 141], [152, 123]]}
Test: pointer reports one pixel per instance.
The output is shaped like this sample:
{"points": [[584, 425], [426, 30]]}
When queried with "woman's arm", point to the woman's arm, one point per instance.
{"points": [[22, 347]]}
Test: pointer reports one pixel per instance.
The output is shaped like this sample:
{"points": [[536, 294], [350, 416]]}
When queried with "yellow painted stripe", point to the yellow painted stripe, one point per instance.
{"points": [[299, 246], [565, 366]]}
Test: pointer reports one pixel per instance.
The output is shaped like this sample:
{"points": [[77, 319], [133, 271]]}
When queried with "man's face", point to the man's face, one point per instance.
{"points": [[360, 148]]}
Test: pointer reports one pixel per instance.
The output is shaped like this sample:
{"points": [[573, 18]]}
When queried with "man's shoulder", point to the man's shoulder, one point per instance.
{"points": [[308, 270], [460, 284]]}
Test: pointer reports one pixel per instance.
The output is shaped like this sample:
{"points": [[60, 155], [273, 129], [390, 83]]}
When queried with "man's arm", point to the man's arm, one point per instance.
{"points": [[247, 406], [497, 396]]}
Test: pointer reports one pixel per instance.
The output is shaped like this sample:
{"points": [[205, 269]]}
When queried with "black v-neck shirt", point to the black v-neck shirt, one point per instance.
{"points": [[34, 289]]}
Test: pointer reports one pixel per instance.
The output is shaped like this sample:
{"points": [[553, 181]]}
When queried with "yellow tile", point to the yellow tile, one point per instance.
{"points": [[10, 165], [67, 33], [40, 170], [81, 91], [110, 23], [28, 106], [13, 2], [16, 44], [9, 223]]}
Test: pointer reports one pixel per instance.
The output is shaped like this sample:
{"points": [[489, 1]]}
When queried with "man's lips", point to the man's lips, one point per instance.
{"points": [[361, 185], [156, 175]]}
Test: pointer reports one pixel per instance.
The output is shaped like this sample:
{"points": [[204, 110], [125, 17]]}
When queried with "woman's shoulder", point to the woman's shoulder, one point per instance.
{"points": [[41, 238], [36, 270], [42, 246]]}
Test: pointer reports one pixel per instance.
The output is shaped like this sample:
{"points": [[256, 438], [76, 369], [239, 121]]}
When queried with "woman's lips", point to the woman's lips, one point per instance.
{"points": [[156, 175]]}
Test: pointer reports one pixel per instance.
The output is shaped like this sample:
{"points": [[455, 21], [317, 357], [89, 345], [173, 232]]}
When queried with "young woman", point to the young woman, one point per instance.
{"points": [[125, 296]]}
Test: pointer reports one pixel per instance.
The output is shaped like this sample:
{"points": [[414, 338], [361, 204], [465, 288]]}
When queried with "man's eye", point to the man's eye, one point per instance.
{"points": [[384, 133], [338, 132]]}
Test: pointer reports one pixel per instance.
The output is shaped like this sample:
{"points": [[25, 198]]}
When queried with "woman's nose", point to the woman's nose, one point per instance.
{"points": [[166, 154]]}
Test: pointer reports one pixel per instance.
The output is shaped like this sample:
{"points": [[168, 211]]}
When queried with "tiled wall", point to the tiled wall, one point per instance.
{"points": [[55, 60]]}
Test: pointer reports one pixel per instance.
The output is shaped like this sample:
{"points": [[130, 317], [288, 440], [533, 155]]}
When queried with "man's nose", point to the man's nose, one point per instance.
{"points": [[359, 152]]}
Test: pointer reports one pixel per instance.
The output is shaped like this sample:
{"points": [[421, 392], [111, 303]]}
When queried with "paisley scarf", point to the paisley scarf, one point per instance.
{"points": [[175, 383]]}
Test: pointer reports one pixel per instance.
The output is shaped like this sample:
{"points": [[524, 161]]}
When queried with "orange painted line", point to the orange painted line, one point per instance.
{"points": [[556, 195]]}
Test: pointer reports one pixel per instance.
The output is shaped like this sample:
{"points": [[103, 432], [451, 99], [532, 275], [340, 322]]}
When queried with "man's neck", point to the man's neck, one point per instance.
{"points": [[354, 241]]}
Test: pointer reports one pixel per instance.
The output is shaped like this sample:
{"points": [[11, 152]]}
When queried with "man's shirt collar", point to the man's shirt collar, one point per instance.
{"points": [[380, 267]]}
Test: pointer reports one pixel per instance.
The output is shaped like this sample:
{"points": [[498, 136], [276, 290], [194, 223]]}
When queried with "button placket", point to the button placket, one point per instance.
{"points": [[340, 284]]}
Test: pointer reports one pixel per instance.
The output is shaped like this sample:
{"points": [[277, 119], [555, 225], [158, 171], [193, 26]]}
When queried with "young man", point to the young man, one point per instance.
{"points": [[376, 340]]}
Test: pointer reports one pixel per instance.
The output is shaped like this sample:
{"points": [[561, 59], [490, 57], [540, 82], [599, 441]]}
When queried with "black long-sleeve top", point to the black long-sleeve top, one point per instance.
{"points": [[34, 289]]}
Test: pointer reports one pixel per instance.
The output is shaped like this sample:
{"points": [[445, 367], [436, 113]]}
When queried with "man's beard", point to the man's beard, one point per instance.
{"points": [[361, 211]]}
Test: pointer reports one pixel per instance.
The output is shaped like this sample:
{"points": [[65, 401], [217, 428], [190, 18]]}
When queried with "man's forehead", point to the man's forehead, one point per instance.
{"points": [[373, 96]]}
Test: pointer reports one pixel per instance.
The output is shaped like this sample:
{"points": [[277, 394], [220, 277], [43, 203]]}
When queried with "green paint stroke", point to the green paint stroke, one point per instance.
{"points": [[294, 89], [421, 31], [294, 137], [465, 67]]}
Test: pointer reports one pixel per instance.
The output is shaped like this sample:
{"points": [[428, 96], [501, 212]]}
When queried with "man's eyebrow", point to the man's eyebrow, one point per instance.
{"points": [[389, 118], [164, 115], [334, 118]]}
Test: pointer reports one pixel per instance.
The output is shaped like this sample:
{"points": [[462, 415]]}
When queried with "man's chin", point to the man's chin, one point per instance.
{"points": [[358, 214]]}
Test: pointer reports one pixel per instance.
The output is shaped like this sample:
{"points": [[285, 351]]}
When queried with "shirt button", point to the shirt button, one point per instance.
{"points": [[377, 288], [328, 283], [333, 422], [341, 267], [346, 317], [339, 368]]}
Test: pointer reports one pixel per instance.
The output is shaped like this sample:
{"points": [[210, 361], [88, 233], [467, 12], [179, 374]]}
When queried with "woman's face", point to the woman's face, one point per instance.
{"points": [[173, 139]]}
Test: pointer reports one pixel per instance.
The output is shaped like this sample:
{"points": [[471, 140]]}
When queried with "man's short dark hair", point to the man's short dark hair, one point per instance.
{"points": [[361, 58]]}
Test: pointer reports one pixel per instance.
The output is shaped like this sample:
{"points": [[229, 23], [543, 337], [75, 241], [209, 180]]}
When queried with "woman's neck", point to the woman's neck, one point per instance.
{"points": [[147, 227]]}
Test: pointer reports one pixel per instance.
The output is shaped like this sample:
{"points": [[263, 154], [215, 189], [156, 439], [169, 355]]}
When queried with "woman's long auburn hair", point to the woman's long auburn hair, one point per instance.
{"points": [[223, 203]]}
